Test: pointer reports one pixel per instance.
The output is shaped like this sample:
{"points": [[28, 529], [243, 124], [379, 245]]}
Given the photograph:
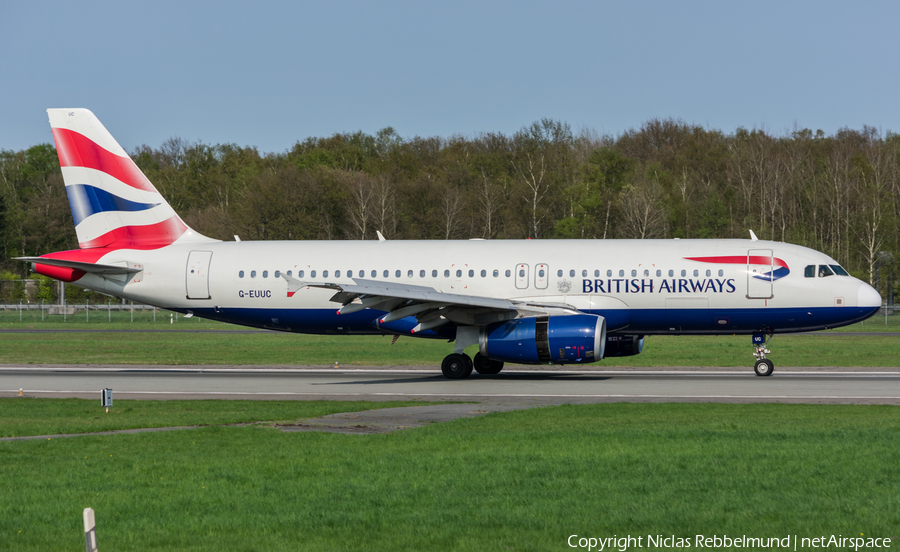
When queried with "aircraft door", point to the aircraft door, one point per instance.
{"points": [[760, 273], [541, 276], [521, 276], [197, 275]]}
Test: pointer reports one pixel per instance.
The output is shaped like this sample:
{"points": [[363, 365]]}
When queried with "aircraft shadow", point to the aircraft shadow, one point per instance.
{"points": [[474, 377]]}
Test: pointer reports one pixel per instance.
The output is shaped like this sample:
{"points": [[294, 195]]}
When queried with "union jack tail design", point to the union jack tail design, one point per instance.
{"points": [[114, 205]]}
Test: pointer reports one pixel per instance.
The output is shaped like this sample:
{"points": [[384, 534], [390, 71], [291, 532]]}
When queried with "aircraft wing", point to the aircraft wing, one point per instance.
{"points": [[431, 308]]}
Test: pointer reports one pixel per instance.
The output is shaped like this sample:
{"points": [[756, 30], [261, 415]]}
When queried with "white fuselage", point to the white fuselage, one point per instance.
{"points": [[639, 286]]}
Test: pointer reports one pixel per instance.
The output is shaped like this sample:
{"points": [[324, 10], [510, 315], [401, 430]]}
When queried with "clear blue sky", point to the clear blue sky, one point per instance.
{"points": [[268, 74]]}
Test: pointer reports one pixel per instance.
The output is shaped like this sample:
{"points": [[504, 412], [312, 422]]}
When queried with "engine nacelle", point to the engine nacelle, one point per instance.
{"points": [[545, 339], [624, 345]]}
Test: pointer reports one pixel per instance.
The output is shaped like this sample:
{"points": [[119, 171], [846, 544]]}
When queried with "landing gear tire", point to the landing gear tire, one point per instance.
{"points": [[457, 366], [763, 367], [486, 366]]}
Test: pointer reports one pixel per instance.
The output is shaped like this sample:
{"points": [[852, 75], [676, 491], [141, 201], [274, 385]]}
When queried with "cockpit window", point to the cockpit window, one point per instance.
{"points": [[809, 271], [825, 270], [839, 270]]}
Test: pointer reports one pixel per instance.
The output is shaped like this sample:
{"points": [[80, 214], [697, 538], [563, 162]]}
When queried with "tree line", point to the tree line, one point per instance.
{"points": [[838, 193]]}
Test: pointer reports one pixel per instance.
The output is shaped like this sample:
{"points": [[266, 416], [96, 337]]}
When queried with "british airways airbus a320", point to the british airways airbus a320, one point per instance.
{"points": [[526, 302]]}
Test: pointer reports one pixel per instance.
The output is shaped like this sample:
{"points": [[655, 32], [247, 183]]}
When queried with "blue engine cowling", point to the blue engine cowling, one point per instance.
{"points": [[545, 339], [624, 345]]}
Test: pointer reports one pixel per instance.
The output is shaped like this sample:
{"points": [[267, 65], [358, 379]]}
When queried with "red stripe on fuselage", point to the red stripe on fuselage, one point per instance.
{"points": [[741, 259], [77, 150], [151, 236]]}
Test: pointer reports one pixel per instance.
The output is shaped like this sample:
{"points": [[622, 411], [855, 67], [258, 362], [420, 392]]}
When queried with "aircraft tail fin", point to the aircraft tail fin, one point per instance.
{"points": [[113, 204]]}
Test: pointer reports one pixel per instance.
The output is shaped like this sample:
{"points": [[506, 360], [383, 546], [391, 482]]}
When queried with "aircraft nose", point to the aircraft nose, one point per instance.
{"points": [[868, 297]]}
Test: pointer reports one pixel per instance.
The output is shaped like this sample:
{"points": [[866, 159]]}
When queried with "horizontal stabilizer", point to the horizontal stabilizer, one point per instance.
{"points": [[77, 265]]}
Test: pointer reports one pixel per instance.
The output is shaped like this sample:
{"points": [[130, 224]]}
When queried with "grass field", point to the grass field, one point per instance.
{"points": [[179, 348], [522, 480]]}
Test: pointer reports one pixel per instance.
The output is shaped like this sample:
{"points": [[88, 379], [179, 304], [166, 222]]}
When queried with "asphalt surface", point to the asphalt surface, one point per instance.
{"points": [[515, 386]]}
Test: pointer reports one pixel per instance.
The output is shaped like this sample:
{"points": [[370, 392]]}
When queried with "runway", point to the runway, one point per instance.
{"points": [[533, 386]]}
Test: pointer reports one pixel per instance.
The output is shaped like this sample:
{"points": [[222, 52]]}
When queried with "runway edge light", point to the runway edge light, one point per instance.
{"points": [[106, 398]]}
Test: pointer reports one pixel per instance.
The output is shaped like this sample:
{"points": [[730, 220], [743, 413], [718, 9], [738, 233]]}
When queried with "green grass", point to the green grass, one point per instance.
{"points": [[294, 349], [54, 416], [515, 481]]}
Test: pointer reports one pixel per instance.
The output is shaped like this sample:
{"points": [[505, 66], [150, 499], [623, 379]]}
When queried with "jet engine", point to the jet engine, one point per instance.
{"points": [[624, 345], [554, 339]]}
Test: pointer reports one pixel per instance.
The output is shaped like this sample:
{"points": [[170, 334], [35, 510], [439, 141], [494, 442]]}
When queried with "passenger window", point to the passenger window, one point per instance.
{"points": [[683, 272], [459, 273], [278, 274], [409, 274], [709, 272], [825, 271], [386, 273], [621, 273], [696, 272], [496, 273], [266, 274], [809, 271], [289, 273], [609, 273], [434, 273], [397, 273], [253, 274], [671, 272], [312, 273], [659, 273], [521, 274], [446, 274], [559, 273], [541, 273], [421, 274], [300, 274], [374, 274], [471, 273], [241, 274], [337, 273], [508, 273], [349, 273], [721, 272], [324, 274], [584, 273], [839, 270], [483, 273], [596, 273]]}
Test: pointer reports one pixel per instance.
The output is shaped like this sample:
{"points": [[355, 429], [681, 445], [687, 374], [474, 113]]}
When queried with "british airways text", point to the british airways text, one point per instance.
{"points": [[636, 285]]}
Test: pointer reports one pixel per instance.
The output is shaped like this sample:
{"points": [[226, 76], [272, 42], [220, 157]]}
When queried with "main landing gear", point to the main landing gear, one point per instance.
{"points": [[457, 366], [763, 366], [460, 366]]}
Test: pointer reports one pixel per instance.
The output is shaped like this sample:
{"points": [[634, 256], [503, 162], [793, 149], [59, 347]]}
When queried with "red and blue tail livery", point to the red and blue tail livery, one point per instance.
{"points": [[113, 204]]}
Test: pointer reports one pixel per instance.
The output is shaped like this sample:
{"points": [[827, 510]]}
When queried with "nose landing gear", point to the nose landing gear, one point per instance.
{"points": [[763, 366]]}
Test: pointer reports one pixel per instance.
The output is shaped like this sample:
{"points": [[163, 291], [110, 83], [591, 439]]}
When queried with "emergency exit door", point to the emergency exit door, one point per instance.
{"points": [[760, 273], [197, 276]]}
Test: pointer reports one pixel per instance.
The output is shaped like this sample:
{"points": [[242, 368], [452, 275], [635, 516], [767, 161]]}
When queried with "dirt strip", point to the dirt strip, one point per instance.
{"points": [[366, 422]]}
